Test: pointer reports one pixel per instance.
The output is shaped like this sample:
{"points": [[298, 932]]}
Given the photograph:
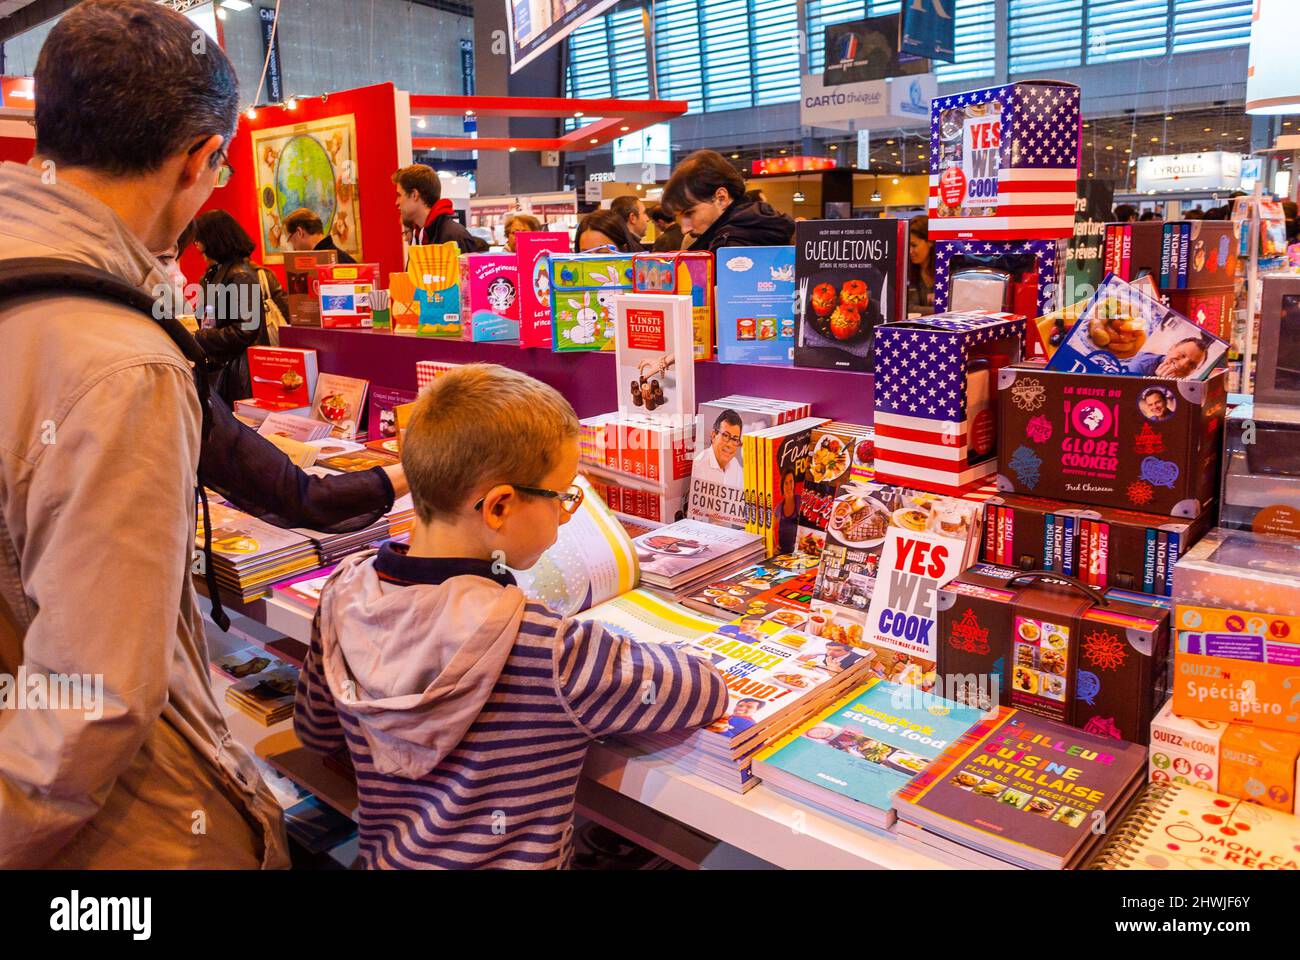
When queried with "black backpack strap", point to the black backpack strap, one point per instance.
{"points": [[25, 276]]}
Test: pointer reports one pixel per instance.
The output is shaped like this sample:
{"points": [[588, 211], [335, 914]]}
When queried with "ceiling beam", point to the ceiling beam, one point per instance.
{"points": [[32, 15]]}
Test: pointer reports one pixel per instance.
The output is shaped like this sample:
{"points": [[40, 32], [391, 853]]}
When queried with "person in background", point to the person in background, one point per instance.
{"points": [[170, 261], [920, 267], [632, 210], [1148, 216], [98, 527], [668, 235], [305, 231], [519, 223], [604, 228], [429, 217], [707, 196], [1196, 213], [469, 732], [234, 291], [1289, 210], [1124, 214], [756, 196]]}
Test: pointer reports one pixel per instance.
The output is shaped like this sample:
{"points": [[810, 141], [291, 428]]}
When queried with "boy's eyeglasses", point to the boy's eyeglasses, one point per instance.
{"points": [[570, 499]]}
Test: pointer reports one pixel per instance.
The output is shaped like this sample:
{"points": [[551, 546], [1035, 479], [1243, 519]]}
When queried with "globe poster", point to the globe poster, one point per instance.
{"points": [[312, 165]]}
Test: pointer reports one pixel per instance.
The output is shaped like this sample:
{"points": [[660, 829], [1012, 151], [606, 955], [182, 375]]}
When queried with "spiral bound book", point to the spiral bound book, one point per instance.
{"points": [[1174, 827]]}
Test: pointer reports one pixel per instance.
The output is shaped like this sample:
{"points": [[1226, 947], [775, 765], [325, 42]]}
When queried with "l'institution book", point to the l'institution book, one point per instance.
{"points": [[856, 754], [1025, 789], [850, 275], [654, 351], [1176, 827]]}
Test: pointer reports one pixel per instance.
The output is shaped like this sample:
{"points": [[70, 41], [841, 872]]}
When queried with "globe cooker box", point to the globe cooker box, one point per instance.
{"points": [[1004, 162], [1057, 649], [1102, 546], [1136, 443], [936, 415]]}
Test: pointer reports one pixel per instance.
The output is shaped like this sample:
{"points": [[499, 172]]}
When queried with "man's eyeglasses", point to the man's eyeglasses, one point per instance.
{"points": [[226, 171], [731, 438], [570, 498]]}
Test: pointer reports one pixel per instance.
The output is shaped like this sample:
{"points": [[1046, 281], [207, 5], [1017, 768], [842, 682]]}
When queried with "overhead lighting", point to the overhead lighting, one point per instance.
{"points": [[735, 156], [1169, 118], [1109, 147], [422, 123], [252, 113], [625, 129], [1155, 139], [798, 196], [236, 5], [594, 140], [1206, 129], [291, 103], [513, 149], [783, 150], [577, 114], [890, 142], [1085, 126], [1241, 138], [894, 181], [875, 196], [833, 147]]}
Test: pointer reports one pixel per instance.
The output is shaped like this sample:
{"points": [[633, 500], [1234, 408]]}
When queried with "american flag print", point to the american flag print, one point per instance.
{"points": [[1036, 148], [922, 426], [1048, 254]]}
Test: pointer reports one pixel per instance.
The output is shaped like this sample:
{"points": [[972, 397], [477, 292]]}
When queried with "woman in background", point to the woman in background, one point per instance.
{"points": [[233, 315], [604, 228], [920, 272], [519, 223]]}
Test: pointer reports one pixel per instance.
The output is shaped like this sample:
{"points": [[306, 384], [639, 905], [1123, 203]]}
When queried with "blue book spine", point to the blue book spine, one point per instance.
{"points": [[1175, 550], [1184, 246], [1067, 564], [1166, 243], [1048, 523], [1149, 563]]}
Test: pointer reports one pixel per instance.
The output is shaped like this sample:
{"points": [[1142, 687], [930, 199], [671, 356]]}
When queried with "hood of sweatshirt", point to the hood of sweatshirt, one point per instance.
{"points": [[414, 664]]}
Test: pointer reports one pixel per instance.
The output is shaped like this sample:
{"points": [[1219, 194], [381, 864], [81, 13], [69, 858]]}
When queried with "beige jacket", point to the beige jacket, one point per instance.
{"points": [[99, 442]]}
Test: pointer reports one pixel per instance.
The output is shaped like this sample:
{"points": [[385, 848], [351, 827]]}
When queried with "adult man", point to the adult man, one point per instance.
{"points": [[429, 217], [707, 196], [99, 446], [305, 231], [632, 212], [718, 462], [668, 235]]}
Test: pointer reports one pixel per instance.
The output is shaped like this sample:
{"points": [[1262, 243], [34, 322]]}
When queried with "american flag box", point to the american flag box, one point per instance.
{"points": [[936, 382], [1043, 258], [1004, 162]]}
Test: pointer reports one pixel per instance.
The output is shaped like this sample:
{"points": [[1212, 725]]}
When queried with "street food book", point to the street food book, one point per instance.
{"points": [[340, 402], [856, 754], [1125, 330], [1176, 827], [850, 275], [1025, 789]]}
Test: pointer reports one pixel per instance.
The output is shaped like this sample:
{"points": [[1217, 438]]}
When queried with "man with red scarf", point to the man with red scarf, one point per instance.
{"points": [[426, 214]]}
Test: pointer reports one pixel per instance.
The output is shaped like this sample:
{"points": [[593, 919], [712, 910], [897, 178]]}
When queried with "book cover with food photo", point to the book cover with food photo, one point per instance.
{"points": [[1025, 789], [855, 755], [686, 549], [1125, 331], [654, 352], [340, 402], [849, 276], [282, 376]]}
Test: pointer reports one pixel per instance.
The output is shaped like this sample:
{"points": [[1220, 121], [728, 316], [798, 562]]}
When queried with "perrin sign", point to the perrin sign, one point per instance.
{"points": [[981, 158]]}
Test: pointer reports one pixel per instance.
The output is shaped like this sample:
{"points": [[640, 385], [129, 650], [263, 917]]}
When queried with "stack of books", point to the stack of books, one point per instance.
{"points": [[1022, 790], [854, 756], [778, 589], [682, 557], [263, 686], [303, 592], [249, 555], [775, 463], [640, 467], [777, 677]]}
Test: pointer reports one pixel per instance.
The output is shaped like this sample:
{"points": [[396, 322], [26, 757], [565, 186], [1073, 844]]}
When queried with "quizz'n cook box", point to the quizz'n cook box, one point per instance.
{"points": [[583, 287], [1136, 443], [1004, 162], [1058, 649]]}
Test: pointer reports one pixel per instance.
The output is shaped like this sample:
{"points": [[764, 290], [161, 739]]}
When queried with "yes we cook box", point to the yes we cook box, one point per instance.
{"points": [[1059, 649], [1004, 162], [1136, 443]]}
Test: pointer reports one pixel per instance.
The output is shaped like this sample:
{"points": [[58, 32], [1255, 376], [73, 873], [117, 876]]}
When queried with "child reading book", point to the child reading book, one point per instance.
{"points": [[468, 709]]}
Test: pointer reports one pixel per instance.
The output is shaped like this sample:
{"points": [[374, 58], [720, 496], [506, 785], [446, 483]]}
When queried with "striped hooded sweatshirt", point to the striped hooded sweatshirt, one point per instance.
{"points": [[468, 710]]}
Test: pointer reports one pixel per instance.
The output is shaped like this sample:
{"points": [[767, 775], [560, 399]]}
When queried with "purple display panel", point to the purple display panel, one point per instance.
{"points": [[586, 379]]}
